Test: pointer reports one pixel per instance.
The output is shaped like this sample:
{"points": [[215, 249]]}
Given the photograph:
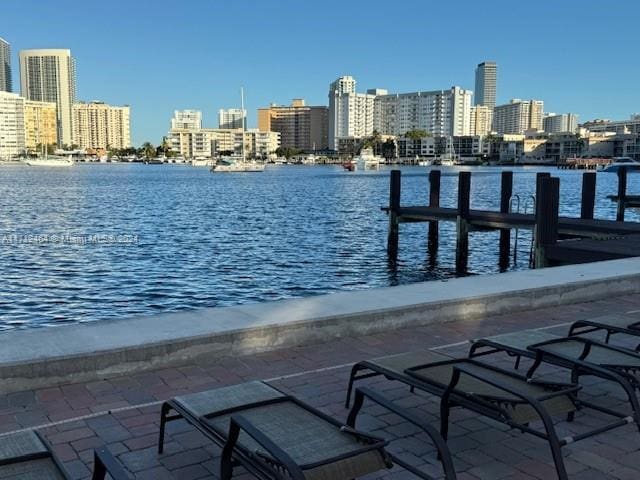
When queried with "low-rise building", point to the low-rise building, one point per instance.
{"points": [[631, 126], [12, 138], [40, 124]]}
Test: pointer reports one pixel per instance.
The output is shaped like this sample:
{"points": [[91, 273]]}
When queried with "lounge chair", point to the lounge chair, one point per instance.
{"points": [[581, 355], [611, 324], [504, 396], [27, 456], [276, 436]]}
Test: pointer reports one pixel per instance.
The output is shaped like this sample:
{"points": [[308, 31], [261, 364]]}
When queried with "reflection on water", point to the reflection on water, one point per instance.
{"points": [[204, 240]]}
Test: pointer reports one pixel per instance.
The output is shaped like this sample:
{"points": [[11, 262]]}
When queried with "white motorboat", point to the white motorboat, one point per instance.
{"points": [[203, 162], [367, 160], [50, 161], [623, 162]]}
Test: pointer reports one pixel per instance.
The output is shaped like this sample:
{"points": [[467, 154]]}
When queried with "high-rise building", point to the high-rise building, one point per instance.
{"points": [[486, 83], [565, 122], [49, 75], [97, 125], [40, 124], [231, 118], [518, 116], [481, 120], [187, 119], [301, 127], [11, 125], [5, 66], [440, 112], [350, 113]]}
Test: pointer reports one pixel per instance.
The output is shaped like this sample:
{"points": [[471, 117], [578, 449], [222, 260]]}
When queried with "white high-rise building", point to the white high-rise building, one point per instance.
{"points": [[231, 118], [5, 66], [481, 120], [440, 112], [518, 116], [565, 122], [486, 84], [350, 113], [49, 75], [12, 131], [97, 125], [187, 119]]}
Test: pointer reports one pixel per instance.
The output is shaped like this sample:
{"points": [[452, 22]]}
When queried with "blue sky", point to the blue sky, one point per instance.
{"points": [[157, 56]]}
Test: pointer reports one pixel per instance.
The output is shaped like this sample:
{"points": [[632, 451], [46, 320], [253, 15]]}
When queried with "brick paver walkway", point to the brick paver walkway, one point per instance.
{"points": [[122, 413]]}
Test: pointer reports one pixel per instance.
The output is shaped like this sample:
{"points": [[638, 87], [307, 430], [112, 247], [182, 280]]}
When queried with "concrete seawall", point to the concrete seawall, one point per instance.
{"points": [[84, 352]]}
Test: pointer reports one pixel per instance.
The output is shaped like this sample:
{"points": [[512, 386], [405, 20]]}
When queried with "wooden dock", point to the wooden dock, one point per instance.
{"points": [[557, 240]]}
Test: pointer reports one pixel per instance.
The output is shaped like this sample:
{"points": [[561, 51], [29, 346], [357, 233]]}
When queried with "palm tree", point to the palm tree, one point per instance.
{"points": [[148, 150]]}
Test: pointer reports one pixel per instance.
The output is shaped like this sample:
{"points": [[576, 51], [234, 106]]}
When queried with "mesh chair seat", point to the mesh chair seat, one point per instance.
{"points": [[307, 438], [519, 341], [519, 412], [401, 362], [20, 446], [599, 355]]}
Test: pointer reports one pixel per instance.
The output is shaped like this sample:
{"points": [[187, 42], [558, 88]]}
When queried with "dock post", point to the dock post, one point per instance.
{"points": [[434, 202], [462, 241], [622, 193], [506, 191], [394, 207], [588, 195], [547, 206], [539, 177]]}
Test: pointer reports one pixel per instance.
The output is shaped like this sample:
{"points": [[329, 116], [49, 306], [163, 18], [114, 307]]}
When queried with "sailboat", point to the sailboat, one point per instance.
{"points": [[233, 164], [449, 159], [49, 161]]}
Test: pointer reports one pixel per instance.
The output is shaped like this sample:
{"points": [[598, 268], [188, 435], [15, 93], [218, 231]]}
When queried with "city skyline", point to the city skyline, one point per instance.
{"points": [[157, 72]]}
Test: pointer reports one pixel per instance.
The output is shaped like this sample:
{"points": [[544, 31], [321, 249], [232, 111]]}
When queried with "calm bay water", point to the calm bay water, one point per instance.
{"points": [[193, 239]]}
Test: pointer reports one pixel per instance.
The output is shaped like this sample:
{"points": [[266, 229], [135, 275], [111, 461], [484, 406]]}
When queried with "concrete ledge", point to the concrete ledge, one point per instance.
{"points": [[84, 352]]}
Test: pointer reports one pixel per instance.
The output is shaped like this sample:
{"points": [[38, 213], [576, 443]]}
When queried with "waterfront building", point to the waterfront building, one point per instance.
{"points": [[231, 118], [631, 126], [409, 148], [518, 116], [5, 66], [12, 140], [49, 75], [481, 120], [350, 113], [440, 112], [97, 125], [300, 126], [210, 142], [486, 84], [186, 119], [566, 122], [40, 124]]}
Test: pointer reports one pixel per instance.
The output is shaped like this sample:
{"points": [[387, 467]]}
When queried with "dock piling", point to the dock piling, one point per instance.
{"points": [[506, 192], [622, 193], [547, 207], [588, 195], [434, 202], [462, 241], [394, 207]]}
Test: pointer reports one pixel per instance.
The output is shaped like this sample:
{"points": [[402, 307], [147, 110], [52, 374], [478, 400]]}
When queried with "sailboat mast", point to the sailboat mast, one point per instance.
{"points": [[243, 121]]}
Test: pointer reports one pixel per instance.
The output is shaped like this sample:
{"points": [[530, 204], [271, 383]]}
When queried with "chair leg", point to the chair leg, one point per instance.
{"points": [[164, 411], [352, 378], [608, 337], [517, 364]]}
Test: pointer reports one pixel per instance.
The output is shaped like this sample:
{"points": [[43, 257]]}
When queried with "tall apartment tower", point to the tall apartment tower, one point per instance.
{"points": [[5, 66], [301, 127], [98, 125], [486, 81], [49, 75], [518, 116], [350, 113]]}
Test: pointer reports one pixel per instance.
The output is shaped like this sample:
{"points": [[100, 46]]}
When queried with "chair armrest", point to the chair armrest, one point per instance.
{"points": [[439, 442], [104, 462], [238, 423]]}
